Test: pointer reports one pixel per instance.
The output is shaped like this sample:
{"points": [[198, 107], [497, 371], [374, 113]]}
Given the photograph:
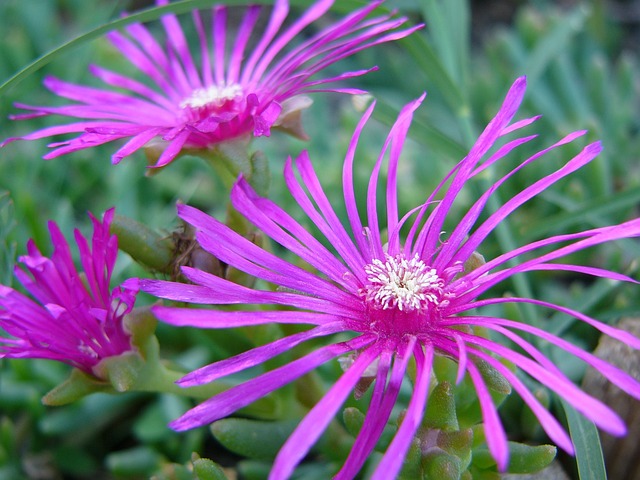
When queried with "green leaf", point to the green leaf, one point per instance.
{"points": [[439, 465], [253, 438], [441, 409], [135, 461], [424, 133], [7, 249], [458, 443], [353, 420], [557, 40], [522, 458], [448, 22], [143, 244], [428, 61], [205, 469], [586, 441], [412, 465], [253, 469]]}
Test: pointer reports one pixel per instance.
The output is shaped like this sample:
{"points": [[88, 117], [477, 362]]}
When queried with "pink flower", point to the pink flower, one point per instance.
{"points": [[236, 91], [413, 296], [75, 318]]}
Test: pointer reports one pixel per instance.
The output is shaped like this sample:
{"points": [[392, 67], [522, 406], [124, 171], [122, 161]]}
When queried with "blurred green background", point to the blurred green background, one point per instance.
{"points": [[581, 60]]}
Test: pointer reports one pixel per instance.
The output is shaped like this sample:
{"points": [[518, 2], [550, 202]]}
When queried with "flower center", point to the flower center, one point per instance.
{"points": [[406, 285], [214, 96], [219, 102]]}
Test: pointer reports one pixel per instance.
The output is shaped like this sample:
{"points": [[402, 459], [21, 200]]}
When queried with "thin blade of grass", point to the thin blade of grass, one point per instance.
{"points": [[586, 441]]}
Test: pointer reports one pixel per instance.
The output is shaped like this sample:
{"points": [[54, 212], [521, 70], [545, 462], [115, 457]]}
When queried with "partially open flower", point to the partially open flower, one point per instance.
{"points": [[73, 317]]}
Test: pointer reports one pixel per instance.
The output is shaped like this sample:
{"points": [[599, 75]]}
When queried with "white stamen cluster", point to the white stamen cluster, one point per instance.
{"points": [[214, 95], [407, 285]]}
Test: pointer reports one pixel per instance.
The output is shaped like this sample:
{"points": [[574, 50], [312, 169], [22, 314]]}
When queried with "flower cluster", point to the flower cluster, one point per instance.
{"points": [[409, 297], [388, 293]]}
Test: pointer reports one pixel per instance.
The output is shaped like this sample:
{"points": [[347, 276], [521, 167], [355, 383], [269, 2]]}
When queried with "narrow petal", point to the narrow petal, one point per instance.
{"points": [[244, 33], [314, 12], [219, 42], [315, 422], [255, 356], [173, 150], [486, 140], [393, 459], [493, 429], [399, 135], [276, 223], [374, 422], [339, 238], [621, 335], [135, 143], [382, 403], [188, 317], [242, 395], [550, 424], [347, 183], [585, 156], [446, 256], [621, 379], [590, 407], [233, 249], [278, 15]]}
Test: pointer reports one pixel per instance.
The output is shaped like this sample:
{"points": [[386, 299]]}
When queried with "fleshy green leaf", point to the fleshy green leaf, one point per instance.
{"points": [[440, 465], [441, 409], [253, 438], [205, 469], [522, 458], [143, 244]]}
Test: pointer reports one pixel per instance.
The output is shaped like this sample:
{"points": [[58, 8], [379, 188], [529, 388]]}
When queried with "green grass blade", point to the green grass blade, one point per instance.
{"points": [[586, 441], [594, 212], [448, 23], [7, 248], [428, 61], [546, 50], [424, 133]]}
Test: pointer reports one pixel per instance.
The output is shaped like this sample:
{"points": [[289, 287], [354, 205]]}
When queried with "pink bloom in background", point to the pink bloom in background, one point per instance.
{"points": [[408, 297], [75, 318], [245, 84]]}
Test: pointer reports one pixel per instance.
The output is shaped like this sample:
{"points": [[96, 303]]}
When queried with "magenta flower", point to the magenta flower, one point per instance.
{"points": [[237, 91], [75, 318], [411, 296]]}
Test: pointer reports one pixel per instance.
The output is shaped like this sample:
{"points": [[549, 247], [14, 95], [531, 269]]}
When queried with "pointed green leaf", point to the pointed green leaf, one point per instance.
{"points": [[205, 469], [586, 441]]}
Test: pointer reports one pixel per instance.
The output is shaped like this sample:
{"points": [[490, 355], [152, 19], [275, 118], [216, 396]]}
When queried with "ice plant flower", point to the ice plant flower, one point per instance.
{"points": [[73, 317], [411, 296], [238, 90]]}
